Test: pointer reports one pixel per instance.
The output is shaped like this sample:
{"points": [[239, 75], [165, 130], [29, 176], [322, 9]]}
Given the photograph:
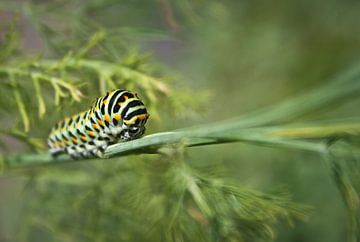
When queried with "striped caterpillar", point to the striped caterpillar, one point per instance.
{"points": [[119, 115]]}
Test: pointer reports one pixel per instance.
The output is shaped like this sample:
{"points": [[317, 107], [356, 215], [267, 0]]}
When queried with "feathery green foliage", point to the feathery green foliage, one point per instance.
{"points": [[155, 199], [151, 189]]}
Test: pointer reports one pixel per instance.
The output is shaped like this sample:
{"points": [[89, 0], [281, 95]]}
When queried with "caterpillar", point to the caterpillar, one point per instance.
{"points": [[118, 116]]}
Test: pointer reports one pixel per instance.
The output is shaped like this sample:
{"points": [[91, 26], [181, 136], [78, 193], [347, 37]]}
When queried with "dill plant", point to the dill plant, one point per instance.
{"points": [[161, 197]]}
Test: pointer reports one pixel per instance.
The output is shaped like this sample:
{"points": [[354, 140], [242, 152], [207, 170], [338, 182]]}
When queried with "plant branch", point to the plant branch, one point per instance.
{"points": [[288, 137], [268, 126]]}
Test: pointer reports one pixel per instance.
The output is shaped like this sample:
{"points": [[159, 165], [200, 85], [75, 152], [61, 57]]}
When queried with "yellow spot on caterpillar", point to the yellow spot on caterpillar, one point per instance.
{"points": [[143, 116], [66, 142], [95, 126], [140, 117], [117, 116], [107, 118]]}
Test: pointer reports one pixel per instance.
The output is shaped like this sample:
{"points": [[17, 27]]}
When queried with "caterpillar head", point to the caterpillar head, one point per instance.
{"points": [[134, 127]]}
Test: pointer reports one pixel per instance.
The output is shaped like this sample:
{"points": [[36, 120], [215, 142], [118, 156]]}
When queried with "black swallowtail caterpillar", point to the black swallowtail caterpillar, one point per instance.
{"points": [[119, 115]]}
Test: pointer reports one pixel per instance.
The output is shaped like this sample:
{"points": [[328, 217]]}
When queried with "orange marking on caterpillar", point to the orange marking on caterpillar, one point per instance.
{"points": [[83, 138], [91, 134], [74, 140], [117, 116], [101, 123]]}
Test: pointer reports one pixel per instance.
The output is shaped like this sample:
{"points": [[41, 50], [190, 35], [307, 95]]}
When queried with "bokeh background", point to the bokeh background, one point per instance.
{"points": [[234, 56]]}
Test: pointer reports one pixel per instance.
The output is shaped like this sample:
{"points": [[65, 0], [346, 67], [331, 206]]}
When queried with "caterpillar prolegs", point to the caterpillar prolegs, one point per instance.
{"points": [[118, 116]]}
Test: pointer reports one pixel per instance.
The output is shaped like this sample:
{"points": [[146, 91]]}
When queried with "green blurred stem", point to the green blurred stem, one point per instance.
{"points": [[285, 137], [311, 137]]}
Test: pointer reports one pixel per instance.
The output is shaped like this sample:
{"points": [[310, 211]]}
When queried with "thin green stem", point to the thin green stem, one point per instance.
{"points": [[306, 138]]}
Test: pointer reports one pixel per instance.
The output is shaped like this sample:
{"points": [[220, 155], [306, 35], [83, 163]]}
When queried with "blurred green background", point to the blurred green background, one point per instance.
{"points": [[237, 56]]}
